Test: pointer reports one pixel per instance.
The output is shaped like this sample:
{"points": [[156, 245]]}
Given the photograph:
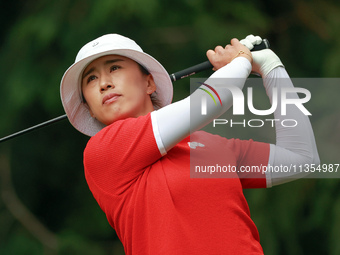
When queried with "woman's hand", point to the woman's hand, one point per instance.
{"points": [[263, 60], [223, 56]]}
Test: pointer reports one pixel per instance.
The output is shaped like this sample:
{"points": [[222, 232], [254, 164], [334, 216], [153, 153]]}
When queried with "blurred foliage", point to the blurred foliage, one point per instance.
{"points": [[39, 41]]}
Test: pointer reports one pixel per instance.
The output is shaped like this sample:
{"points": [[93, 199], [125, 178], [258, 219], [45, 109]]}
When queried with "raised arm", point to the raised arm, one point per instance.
{"points": [[174, 122], [294, 145]]}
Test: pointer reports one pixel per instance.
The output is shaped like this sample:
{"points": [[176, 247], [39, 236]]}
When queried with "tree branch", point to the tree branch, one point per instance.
{"points": [[19, 211]]}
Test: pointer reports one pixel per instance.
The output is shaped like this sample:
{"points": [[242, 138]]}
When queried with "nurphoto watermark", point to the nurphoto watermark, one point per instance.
{"points": [[252, 112]]}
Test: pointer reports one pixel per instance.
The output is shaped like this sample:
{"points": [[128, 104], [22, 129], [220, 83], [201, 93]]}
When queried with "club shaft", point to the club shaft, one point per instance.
{"points": [[27, 130], [174, 77], [207, 65]]}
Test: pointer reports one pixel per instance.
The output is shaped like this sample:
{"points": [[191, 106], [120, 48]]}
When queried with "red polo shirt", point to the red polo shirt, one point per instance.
{"points": [[154, 205]]}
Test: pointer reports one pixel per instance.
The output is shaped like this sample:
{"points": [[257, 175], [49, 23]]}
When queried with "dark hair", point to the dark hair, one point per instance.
{"points": [[143, 69]]}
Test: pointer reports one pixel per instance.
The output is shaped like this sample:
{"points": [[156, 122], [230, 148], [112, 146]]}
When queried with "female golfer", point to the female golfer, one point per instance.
{"points": [[137, 163]]}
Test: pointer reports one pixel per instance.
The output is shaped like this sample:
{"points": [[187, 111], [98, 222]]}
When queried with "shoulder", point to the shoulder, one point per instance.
{"points": [[120, 152], [121, 135], [122, 128]]}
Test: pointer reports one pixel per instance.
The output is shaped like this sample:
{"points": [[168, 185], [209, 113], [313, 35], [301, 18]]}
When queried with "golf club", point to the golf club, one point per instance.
{"points": [[174, 77]]}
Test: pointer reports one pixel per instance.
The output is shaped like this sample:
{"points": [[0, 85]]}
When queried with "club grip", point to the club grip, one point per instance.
{"points": [[207, 65]]}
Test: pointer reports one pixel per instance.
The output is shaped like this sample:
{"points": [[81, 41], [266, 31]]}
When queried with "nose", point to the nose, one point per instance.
{"points": [[105, 82]]}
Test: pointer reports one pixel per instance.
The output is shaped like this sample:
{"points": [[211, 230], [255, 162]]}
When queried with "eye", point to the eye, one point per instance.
{"points": [[114, 68], [91, 78]]}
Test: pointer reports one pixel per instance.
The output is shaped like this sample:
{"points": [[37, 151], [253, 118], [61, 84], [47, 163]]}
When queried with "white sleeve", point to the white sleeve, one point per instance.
{"points": [[174, 122], [294, 145]]}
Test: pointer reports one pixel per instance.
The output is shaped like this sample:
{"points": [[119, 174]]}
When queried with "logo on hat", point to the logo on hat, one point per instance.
{"points": [[95, 44]]}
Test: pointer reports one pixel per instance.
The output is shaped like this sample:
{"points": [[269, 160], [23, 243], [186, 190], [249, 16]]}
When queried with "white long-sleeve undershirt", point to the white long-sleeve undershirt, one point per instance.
{"points": [[296, 145]]}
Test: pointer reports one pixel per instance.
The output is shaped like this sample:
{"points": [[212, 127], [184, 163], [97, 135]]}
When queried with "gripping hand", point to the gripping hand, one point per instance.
{"points": [[263, 60]]}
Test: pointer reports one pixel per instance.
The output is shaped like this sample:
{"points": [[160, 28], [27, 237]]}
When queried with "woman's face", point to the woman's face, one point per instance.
{"points": [[115, 88]]}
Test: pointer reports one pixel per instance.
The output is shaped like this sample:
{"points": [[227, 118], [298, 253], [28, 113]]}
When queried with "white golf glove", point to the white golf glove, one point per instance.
{"points": [[263, 60]]}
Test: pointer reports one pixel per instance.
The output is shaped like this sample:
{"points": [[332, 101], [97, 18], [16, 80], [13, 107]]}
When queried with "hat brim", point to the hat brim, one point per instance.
{"points": [[71, 95]]}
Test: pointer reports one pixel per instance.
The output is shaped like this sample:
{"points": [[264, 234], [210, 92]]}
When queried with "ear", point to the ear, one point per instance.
{"points": [[151, 86]]}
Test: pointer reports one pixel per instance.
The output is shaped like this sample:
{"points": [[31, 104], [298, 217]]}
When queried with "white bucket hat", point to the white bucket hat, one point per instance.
{"points": [[110, 44]]}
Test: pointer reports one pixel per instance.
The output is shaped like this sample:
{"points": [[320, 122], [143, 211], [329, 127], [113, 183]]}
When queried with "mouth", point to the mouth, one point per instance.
{"points": [[110, 98]]}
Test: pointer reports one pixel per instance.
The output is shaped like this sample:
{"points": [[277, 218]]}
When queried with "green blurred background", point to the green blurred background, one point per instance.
{"points": [[45, 204]]}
